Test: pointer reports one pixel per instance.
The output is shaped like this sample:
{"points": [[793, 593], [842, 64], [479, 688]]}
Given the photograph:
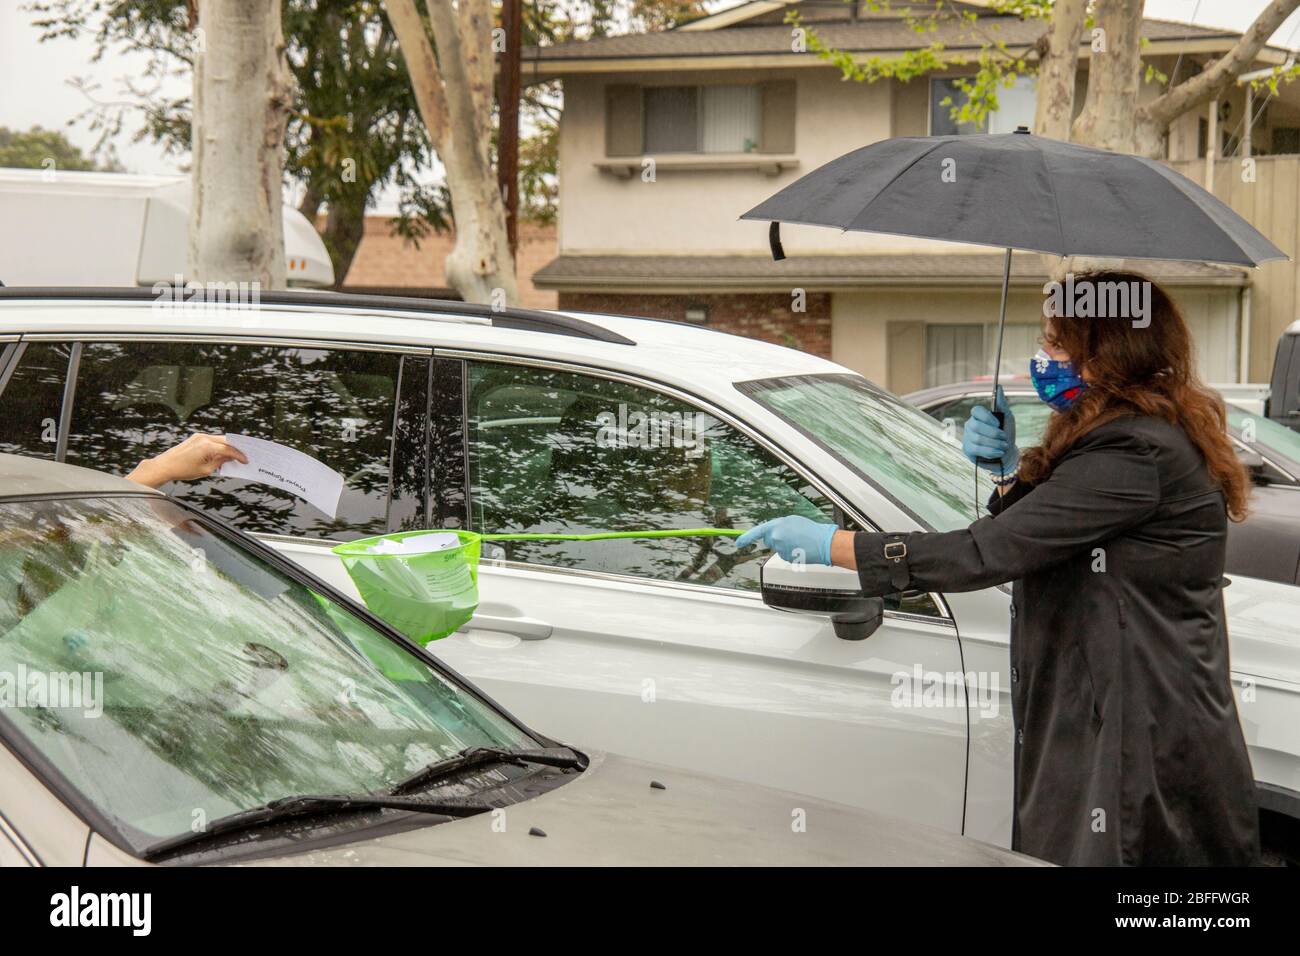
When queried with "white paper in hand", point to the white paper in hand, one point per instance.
{"points": [[283, 467]]}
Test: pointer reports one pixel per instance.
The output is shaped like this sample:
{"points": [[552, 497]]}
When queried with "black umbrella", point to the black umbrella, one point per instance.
{"points": [[1014, 190]]}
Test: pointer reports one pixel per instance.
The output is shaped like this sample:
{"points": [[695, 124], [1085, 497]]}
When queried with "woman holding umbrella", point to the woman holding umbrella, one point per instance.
{"points": [[1128, 746]]}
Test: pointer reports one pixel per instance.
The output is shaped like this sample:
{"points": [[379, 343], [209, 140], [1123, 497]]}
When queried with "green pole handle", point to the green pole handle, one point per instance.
{"points": [[606, 535]]}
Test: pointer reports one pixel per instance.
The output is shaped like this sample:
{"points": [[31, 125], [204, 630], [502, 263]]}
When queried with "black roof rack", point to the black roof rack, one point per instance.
{"points": [[528, 320]]}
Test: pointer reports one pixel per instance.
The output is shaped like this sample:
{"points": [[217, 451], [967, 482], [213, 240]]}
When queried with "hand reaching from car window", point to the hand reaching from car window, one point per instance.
{"points": [[196, 457]]}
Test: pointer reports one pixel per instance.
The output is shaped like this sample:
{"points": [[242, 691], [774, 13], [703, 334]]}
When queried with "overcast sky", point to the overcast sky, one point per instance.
{"points": [[34, 76]]}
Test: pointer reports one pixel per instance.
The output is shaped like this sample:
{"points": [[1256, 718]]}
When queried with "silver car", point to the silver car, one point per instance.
{"points": [[172, 692]]}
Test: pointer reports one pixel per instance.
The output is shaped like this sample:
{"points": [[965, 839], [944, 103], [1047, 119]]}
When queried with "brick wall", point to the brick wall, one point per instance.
{"points": [[765, 316]]}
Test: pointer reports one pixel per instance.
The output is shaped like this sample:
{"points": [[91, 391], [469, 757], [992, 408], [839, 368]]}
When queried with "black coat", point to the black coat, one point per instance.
{"points": [[1128, 745]]}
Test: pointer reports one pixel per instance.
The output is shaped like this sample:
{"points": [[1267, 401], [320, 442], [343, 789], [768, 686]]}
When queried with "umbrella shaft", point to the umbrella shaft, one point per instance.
{"points": [[997, 358], [1002, 324]]}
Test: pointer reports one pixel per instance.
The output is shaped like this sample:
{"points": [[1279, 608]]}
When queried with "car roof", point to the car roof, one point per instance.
{"points": [[21, 476], [672, 350]]}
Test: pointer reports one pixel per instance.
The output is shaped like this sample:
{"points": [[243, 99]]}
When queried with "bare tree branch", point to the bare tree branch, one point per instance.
{"points": [[421, 64], [1212, 81], [454, 94]]}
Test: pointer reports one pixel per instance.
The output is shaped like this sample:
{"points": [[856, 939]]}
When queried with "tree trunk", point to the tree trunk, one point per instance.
{"points": [[1058, 66], [345, 226], [242, 95], [311, 203], [1108, 114], [454, 94]]}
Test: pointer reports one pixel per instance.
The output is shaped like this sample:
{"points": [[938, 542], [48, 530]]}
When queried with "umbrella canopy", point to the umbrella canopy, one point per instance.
{"points": [[1015, 190], [1018, 191]]}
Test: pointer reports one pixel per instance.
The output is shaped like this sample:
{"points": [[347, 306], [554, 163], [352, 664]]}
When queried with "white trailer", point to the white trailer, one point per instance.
{"points": [[118, 229]]}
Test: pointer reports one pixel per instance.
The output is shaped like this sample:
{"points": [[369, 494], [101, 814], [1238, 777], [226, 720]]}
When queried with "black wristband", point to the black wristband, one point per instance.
{"points": [[900, 575]]}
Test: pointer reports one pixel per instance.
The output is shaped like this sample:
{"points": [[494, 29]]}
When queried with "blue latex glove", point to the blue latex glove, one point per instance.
{"points": [[983, 438], [794, 538]]}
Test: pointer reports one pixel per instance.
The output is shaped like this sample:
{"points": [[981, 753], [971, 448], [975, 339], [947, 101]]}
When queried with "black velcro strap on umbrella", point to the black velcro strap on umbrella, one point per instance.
{"points": [[774, 240]]}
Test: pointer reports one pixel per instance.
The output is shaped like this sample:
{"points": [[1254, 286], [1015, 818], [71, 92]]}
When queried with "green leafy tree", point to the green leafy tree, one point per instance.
{"points": [[539, 166], [356, 129], [39, 148], [997, 64], [1112, 116]]}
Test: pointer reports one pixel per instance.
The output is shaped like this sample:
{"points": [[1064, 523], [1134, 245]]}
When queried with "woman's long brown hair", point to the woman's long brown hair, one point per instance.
{"points": [[1137, 370]]}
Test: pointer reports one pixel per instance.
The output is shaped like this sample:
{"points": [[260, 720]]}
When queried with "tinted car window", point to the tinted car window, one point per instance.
{"points": [[561, 452], [135, 400], [32, 397]]}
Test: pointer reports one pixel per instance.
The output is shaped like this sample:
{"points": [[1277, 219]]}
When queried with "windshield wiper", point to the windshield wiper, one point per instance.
{"points": [[564, 758], [395, 798], [310, 804]]}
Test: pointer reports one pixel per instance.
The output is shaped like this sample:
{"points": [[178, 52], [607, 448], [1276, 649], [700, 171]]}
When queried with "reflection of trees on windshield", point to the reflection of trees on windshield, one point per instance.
{"points": [[564, 453], [138, 399], [225, 683], [893, 444], [410, 468], [32, 398]]}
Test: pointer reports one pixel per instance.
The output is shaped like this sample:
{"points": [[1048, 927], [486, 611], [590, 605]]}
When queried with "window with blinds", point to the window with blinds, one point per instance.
{"points": [[652, 120], [701, 119], [959, 353]]}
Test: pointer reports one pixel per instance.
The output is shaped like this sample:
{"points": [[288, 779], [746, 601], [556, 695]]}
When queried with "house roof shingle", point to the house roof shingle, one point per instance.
{"points": [[862, 36], [703, 273]]}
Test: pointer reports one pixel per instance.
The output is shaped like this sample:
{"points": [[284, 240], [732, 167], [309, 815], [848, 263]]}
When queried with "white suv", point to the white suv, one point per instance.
{"points": [[451, 415]]}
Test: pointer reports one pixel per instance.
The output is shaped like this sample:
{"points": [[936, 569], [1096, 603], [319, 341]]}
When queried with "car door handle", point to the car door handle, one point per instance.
{"points": [[524, 628]]}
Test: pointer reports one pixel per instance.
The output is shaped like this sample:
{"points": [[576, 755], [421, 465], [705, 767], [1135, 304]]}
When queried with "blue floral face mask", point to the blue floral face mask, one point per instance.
{"points": [[1057, 383]]}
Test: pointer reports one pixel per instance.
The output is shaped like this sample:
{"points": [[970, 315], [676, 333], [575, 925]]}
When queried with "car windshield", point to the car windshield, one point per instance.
{"points": [[898, 448], [1264, 432], [172, 676]]}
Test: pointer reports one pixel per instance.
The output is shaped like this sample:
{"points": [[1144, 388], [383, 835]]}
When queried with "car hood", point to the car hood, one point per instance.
{"points": [[611, 815]]}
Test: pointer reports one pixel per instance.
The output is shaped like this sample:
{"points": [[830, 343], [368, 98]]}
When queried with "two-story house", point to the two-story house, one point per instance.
{"points": [[666, 138]]}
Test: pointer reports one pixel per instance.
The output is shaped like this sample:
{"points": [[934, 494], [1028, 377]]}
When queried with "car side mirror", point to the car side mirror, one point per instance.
{"points": [[829, 592]]}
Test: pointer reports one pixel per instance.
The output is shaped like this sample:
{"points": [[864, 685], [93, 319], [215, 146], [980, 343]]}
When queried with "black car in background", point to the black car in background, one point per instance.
{"points": [[1266, 545]]}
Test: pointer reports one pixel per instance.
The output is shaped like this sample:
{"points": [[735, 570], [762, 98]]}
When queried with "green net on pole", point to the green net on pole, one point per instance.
{"points": [[428, 594]]}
